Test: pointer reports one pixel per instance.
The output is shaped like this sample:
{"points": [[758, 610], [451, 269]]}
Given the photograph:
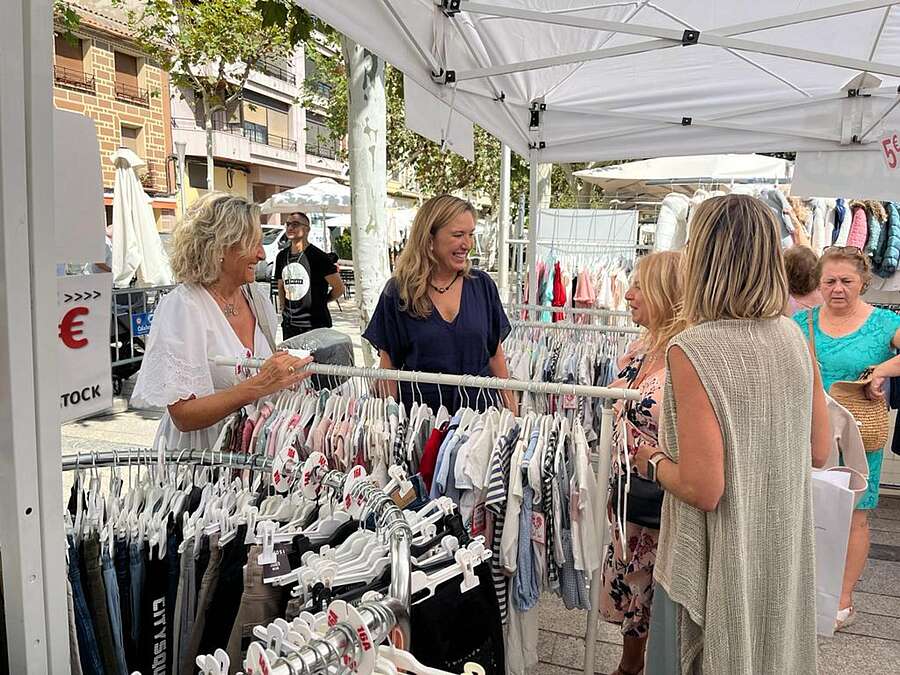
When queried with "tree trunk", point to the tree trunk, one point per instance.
{"points": [[367, 136], [210, 162]]}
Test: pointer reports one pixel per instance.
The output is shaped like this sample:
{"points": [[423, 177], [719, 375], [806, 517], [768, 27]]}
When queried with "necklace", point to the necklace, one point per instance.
{"points": [[446, 288], [228, 308]]}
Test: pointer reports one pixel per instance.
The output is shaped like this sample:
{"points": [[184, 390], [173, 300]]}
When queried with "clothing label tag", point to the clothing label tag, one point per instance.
{"points": [[404, 499], [538, 528], [281, 565], [570, 402], [478, 520]]}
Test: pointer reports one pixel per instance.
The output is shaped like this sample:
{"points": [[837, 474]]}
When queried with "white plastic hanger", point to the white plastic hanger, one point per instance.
{"points": [[216, 664]]}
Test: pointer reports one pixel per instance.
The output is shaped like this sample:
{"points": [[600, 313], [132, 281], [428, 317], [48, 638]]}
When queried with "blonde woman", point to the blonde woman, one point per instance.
{"points": [[654, 298], [743, 421], [437, 314], [215, 311]]}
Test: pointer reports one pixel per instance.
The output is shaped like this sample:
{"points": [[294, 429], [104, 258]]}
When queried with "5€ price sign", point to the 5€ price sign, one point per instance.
{"points": [[890, 148]]}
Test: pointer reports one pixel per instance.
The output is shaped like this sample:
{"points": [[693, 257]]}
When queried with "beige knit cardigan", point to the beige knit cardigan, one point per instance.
{"points": [[743, 576]]}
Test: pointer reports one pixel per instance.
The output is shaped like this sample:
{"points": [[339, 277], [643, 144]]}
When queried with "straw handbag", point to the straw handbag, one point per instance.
{"points": [[871, 415]]}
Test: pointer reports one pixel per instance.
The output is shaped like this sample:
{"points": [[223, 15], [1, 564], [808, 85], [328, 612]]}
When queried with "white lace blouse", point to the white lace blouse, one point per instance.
{"points": [[188, 329]]}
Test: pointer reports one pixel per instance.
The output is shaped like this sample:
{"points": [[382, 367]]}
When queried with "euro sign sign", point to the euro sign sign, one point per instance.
{"points": [[70, 328]]}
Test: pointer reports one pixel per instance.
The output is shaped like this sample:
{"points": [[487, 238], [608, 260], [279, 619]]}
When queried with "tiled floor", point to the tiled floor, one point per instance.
{"points": [[871, 646]]}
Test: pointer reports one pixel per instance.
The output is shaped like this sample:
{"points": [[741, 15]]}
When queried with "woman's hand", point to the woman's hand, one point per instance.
{"points": [[510, 401], [875, 388], [642, 457], [280, 371]]}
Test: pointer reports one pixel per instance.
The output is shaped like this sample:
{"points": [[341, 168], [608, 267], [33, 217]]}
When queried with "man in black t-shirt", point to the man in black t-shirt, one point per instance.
{"points": [[307, 281]]}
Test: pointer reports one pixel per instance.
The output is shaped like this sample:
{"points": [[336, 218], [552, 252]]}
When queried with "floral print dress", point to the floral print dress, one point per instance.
{"points": [[628, 574]]}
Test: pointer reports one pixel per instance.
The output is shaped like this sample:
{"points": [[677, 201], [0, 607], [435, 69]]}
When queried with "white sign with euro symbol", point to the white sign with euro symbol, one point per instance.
{"points": [[85, 375]]}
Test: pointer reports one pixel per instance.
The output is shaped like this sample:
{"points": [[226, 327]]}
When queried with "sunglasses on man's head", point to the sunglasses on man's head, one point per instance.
{"points": [[849, 250]]}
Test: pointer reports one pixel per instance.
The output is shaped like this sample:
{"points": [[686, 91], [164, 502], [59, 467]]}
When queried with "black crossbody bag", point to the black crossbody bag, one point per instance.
{"points": [[645, 497]]}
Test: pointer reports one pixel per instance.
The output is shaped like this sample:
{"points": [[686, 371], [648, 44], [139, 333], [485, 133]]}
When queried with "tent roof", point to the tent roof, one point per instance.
{"points": [[629, 79], [655, 178]]}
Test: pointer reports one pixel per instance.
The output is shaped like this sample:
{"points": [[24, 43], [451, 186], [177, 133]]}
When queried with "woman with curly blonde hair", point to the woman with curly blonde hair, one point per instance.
{"points": [[436, 313], [654, 299], [214, 311]]}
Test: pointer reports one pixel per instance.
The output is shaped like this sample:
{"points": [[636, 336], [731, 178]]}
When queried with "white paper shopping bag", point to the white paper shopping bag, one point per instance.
{"points": [[832, 511]]}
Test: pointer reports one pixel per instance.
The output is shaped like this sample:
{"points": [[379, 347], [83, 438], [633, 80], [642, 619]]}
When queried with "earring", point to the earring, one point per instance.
{"points": [[222, 259]]}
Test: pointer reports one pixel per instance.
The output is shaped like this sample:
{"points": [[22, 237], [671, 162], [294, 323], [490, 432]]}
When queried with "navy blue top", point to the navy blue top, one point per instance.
{"points": [[461, 347]]}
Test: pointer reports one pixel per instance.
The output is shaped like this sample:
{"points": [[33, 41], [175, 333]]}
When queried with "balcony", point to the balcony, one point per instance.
{"points": [[154, 177], [74, 79], [321, 88], [252, 132], [131, 94], [276, 71], [326, 149]]}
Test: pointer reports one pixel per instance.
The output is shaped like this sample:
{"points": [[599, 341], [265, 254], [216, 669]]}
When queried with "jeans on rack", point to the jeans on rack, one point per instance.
{"points": [[154, 651], [123, 576], [74, 653], [137, 574], [225, 601], [185, 606], [96, 596], [111, 584], [261, 603], [207, 589], [88, 650]]}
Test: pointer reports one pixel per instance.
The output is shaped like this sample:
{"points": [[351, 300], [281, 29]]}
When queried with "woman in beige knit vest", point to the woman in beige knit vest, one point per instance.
{"points": [[743, 420]]}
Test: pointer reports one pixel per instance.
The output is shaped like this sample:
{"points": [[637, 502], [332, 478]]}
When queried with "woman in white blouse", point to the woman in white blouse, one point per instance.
{"points": [[215, 311]]}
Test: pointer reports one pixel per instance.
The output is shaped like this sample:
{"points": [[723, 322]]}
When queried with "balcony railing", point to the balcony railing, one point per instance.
{"points": [[276, 71], [131, 94], [74, 79], [254, 133], [322, 148], [153, 177]]}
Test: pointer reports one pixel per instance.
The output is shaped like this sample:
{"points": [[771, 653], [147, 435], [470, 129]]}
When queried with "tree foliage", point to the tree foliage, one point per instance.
{"points": [[435, 170], [67, 19], [210, 47]]}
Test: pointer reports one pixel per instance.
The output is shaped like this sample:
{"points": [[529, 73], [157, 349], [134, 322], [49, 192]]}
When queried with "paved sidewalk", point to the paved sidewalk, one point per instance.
{"points": [[871, 646]]}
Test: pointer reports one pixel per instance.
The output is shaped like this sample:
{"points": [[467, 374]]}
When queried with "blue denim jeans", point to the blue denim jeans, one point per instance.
{"points": [[136, 568], [111, 582], [88, 650]]}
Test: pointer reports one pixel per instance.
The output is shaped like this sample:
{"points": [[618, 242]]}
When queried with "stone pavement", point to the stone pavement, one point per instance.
{"points": [[871, 645]]}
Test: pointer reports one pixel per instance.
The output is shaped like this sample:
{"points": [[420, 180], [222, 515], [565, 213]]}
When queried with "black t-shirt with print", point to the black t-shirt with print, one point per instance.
{"points": [[305, 288]]}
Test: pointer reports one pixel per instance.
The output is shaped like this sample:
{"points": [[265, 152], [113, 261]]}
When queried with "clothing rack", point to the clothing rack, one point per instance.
{"points": [[87, 460], [567, 310], [568, 325], [603, 463], [470, 381], [342, 640]]}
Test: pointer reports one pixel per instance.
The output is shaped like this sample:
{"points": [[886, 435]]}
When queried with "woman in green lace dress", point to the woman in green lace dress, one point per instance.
{"points": [[852, 335]]}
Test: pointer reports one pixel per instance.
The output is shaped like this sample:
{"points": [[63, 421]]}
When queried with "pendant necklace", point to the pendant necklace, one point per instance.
{"points": [[228, 308], [444, 289]]}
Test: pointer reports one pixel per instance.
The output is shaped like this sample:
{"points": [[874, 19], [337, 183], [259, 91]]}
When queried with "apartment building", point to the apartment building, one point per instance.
{"points": [[102, 74], [266, 142]]}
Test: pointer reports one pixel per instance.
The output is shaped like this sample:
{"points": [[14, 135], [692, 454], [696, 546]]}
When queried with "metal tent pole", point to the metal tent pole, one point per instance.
{"points": [[503, 225], [569, 310], [534, 218], [561, 325]]}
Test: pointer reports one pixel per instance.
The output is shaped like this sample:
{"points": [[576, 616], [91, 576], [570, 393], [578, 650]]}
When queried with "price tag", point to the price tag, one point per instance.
{"points": [[890, 149], [281, 565], [570, 402], [479, 519], [538, 528]]}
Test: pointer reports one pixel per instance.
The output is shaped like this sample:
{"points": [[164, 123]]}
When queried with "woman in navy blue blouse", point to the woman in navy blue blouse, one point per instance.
{"points": [[437, 314]]}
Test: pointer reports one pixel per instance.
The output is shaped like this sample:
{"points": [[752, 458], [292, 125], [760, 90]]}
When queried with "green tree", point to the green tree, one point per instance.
{"points": [[436, 170], [210, 47], [67, 19]]}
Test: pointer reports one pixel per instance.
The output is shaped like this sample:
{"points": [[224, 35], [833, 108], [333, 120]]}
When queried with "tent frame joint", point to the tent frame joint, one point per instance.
{"points": [[690, 37], [854, 93], [444, 76], [540, 145], [535, 113], [450, 8], [687, 121]]}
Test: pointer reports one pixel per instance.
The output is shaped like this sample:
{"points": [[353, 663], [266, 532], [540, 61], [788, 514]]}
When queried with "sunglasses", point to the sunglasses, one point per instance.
{"points": [[295, 224], [848, 250]]}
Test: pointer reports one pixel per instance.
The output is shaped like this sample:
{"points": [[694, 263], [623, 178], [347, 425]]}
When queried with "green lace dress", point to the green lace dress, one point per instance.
{"points": [[845, 358]]}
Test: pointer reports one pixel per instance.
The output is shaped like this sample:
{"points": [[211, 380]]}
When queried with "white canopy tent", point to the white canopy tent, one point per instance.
{"points": [[569, 81], [574, 80], [653, 179]]}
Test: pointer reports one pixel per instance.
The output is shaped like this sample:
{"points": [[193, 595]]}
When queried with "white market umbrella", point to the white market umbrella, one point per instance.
{"points": [[399, 222], [137, 248], [653, 179], [321, 195]]}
